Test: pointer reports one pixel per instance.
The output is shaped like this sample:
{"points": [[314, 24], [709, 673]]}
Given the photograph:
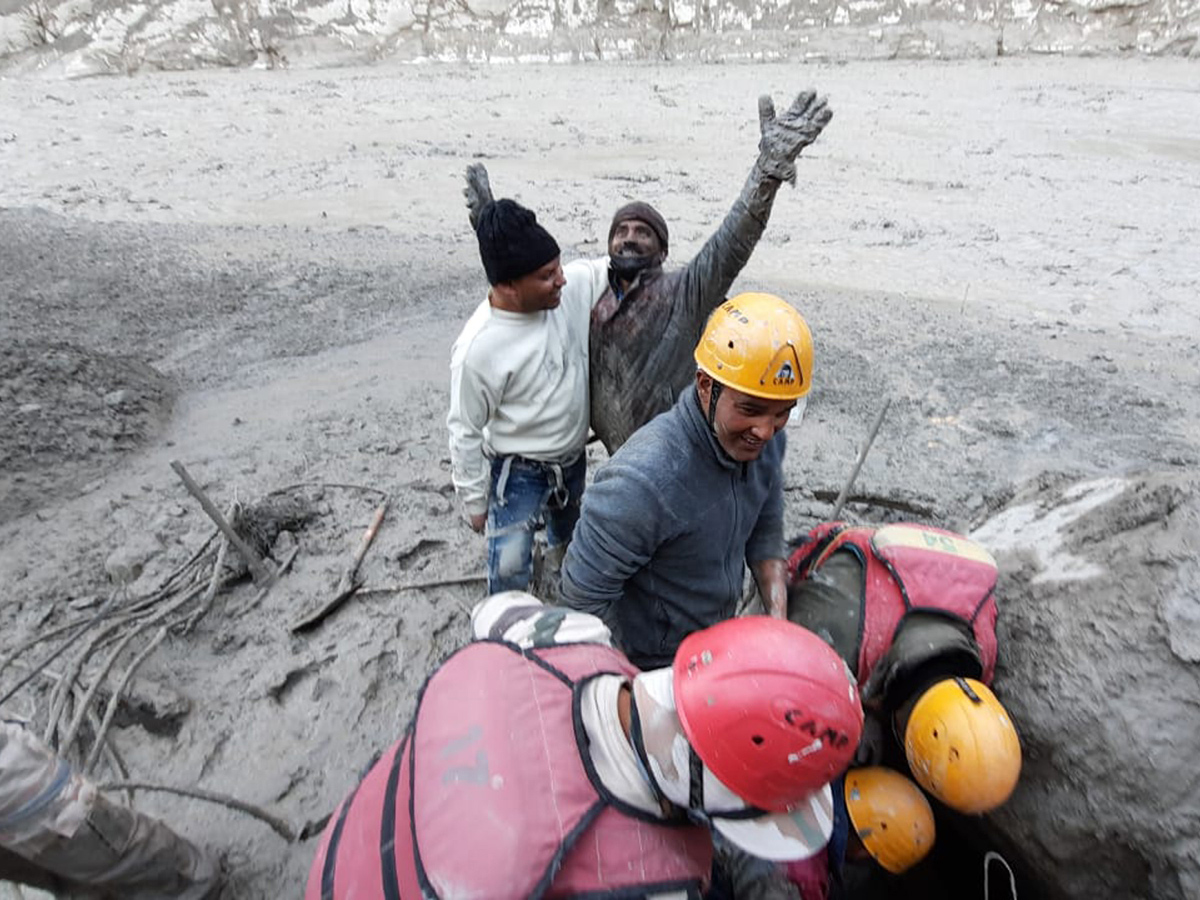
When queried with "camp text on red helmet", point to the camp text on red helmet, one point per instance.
{"points": [[768, 706]]}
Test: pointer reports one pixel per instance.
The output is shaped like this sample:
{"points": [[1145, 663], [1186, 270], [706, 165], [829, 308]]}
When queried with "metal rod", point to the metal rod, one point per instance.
{"points": [[862, 457]]}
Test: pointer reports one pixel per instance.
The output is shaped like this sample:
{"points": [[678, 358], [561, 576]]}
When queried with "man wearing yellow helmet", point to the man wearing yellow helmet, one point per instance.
{"points": [[912, 610], [672, 520]]}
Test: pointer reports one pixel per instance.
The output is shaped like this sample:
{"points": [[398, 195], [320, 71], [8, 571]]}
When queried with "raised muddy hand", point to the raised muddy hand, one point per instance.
{"points": [[783, 137], [478, 191]]}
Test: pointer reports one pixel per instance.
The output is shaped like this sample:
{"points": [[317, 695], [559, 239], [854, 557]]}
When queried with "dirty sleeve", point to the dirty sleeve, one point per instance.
{"points": [[472, 402], [619, 529], [711, 273], [41, 797]]}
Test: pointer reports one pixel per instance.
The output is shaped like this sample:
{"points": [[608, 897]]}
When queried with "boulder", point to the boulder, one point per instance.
{"points": [[1100, 668]]}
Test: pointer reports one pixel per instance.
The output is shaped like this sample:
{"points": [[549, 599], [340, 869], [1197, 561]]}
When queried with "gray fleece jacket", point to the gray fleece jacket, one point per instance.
{"points": [[666, 530]]}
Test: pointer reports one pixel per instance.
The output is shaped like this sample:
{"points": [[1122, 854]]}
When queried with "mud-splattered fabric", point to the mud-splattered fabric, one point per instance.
{"points": [[642, 340]]}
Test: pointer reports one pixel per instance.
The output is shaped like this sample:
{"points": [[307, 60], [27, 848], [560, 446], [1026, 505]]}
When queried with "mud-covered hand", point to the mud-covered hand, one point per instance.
{"points": [[783, 137], [478, 191]]}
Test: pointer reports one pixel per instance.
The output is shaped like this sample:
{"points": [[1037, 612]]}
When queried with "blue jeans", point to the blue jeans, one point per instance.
{"points": [[526, 496]]}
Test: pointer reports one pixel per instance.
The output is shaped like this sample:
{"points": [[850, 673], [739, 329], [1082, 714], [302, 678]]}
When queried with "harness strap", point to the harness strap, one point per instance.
{"points": [[713, 396], [695, 780], [502, 482], [639, 748], [329, 867], [557, 496]]}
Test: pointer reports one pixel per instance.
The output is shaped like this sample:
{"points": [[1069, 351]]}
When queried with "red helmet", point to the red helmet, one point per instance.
{"points": [[769, 707]]}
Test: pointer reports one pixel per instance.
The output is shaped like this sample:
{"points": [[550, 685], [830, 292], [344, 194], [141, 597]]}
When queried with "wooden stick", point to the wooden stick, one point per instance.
{"points": [[52, 657], [351, 573], [115, 699], [436, 583], [215, 583], [258, 567], [347, 585], [276, 824], [422, 585], [266, 588], [98, 679], [862, 457], [58, 697], [325, 484]]}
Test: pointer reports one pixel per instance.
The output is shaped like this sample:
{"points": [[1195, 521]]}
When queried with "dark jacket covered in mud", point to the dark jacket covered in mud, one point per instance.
{"points": [[641, 342]]}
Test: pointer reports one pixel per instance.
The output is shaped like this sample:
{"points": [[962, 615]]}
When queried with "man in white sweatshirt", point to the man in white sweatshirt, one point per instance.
{"points": [[519, 403]]}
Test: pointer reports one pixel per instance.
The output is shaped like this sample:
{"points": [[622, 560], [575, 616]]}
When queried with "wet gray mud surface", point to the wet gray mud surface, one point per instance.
{"points": [[260, 274]]}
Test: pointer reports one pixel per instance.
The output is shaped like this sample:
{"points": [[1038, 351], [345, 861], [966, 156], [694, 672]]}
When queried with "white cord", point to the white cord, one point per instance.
{"points": [[1012, 879]]}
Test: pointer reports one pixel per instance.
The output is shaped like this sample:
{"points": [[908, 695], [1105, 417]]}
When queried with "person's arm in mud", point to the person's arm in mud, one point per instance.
{"points": [[709, 275], [765, 549], [471, 405], [620, 527]]}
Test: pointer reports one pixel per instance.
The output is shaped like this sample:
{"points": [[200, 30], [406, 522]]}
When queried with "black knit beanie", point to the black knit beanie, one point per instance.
{"points": [[643, 212], [511, 242]]}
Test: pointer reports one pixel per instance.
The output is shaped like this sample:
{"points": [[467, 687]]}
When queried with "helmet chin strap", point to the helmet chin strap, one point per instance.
{"points": [[713, 396], [639, 747]]}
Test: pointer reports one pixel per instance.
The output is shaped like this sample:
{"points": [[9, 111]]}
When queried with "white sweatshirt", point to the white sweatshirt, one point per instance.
{"points": [[519, 383]]}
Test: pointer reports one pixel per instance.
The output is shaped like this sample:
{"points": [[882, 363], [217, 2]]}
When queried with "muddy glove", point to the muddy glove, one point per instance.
{"points": [[784, 137], [478, 191]]}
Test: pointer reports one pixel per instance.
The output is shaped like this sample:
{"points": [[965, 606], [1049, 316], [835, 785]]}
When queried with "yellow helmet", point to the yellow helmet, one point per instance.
{"points": [[891, 817], [758, 344], [962, 746]]}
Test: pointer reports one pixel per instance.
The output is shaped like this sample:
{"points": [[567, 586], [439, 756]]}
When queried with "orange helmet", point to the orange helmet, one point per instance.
{"points": [[962, 746], [891, 817], [768, 706], [758, 344]]}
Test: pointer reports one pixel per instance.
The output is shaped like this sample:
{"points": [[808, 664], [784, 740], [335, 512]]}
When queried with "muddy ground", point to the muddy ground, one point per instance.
{"points": [[260, 274]]}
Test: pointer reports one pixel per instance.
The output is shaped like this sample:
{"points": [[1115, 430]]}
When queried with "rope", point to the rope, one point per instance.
{"points": [[1012, 879]]}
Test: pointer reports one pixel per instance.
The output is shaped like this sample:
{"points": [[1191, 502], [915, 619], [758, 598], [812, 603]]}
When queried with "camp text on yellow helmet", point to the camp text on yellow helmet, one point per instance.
{"points": [[760, 345], [891, 817], [962, 746]]}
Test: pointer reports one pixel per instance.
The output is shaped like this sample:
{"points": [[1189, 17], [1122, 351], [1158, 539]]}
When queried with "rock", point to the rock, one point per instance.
{"points": [[1099, 642], [152, 705], [125, 564], [117, 398], [285, 542], [1181, 612]]}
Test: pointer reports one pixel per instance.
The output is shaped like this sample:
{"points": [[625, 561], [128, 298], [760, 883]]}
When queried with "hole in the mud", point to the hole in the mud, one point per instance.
{"points": [[954, 869]]}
